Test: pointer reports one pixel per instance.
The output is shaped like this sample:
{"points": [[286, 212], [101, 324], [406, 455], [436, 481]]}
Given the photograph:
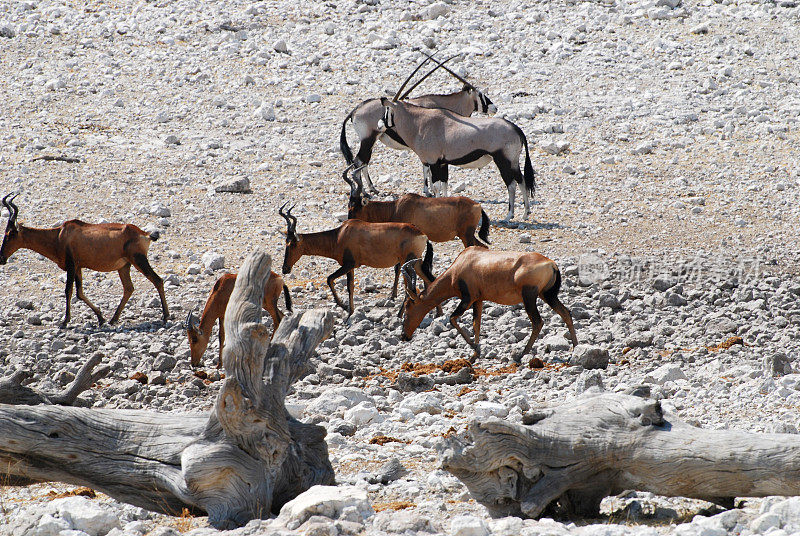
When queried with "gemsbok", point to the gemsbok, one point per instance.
{"points": [[440, 218], [356, 243], [441, 138], [199, 331], [478, 275], [75, 245], [366, 115]]}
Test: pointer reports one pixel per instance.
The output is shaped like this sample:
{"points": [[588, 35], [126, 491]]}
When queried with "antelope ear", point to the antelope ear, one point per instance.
{"points": [[388, 102], [468, 88]]}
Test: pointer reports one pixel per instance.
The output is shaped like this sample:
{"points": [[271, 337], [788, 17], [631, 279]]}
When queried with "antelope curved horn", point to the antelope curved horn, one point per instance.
{"points": [[438, 64], [426, 60], [290, 225], [410, 277], [12, 208], [191, 321]]}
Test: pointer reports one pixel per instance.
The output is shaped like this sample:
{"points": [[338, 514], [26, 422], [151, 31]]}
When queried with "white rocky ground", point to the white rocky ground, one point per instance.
{"points": [[665, 138]]}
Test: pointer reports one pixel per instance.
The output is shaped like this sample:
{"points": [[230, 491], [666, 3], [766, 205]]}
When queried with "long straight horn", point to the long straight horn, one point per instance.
{"points": [[410, 277], [439, 64], [426, 60]]}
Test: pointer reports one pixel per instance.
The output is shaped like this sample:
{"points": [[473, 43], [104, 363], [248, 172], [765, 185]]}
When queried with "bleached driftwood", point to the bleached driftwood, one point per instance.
{"points": [[243, 461], [13, 392], [575, 455]]}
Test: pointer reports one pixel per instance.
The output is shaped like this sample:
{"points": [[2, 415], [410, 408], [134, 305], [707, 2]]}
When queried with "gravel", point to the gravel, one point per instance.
{"points": [[664, 138]]}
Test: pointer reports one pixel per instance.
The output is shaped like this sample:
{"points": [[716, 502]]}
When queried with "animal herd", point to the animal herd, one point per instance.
{"points": [[394, 234]]}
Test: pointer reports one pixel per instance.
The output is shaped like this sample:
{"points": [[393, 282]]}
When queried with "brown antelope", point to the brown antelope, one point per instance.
{"points": [[478, 275], [356, 243], [199, 332], [441, 218], [75, 245]]}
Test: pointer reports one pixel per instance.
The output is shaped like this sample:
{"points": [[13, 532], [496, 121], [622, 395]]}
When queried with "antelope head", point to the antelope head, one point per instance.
{"points": [[198, 341], [414, 308], [293, 251], [12, 240]]}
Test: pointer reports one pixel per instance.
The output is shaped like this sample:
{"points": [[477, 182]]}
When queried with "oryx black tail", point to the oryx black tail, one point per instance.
{"points": [[348, 154]]}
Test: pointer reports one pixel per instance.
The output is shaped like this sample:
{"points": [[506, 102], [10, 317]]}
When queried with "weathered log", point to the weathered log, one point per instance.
{"points": [[575, 455], [243, 461], [13, 392]]}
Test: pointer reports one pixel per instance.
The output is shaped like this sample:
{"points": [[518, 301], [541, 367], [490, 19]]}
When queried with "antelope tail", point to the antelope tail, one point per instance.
{"points": [[551, 293], [530, 175], [288, 297], [348, 154], [483, 234]]}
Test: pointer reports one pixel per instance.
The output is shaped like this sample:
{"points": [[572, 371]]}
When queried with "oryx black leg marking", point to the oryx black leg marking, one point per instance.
{"points": [[347, 265], [511, 176], [427, 182], [69, 266], [362, 158], [529, 296], [466, 301], [439, 173]]}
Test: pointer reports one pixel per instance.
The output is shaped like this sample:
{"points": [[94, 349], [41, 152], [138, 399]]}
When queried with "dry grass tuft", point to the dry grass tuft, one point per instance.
{"points": [[382, 440], [393, 505], [82, 492]]}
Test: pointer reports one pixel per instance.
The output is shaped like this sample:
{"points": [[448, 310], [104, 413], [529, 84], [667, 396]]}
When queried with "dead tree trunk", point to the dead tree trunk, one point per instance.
{"points": [[243, 461], [13, 392], [577, 454]]}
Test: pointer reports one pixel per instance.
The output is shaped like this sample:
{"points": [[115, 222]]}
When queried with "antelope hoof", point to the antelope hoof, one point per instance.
{"points": [[63, 325], [476, 353], [100, 320]]}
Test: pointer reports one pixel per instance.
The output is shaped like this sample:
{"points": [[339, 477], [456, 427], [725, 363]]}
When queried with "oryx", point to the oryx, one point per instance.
{"points": [[441, 138], [366, 115]]}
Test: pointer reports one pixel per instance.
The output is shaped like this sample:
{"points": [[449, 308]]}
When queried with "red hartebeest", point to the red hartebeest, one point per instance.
{"points": [[199, 332], [75, 245], [478, 275]]}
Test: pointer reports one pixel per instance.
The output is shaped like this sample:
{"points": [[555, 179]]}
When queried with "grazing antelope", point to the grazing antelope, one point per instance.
{"points": [[441, 219], [199, 332], [75, 245], [356, 243], [366, 115], [440, 138], [478, 275]]}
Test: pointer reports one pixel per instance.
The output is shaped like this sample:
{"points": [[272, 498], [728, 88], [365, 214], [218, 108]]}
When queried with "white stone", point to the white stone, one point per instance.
{"points": [[363, 414], [644, 148], [327, 501], [484, 409], [422, 403], [333, 400], [437, 9], [51, 526], [665, 373], [764, 522], [237, 185], [265, 111], [281, 46], [85, 515], [213, 260], [468, 526], [157, 209]]}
